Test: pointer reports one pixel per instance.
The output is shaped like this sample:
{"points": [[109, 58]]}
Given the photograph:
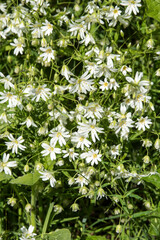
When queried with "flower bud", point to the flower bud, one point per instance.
{"points": [[9, 59], [28, 207], [11, 201], [16, 70], [83, 190], [158, 72], [146, 159], [58, 209], [147, 204], [29, 107], [75, 207], [122, 33], [150, 44], [39, 166], [26, 168], [43, 42], [71, 181], [118, 229], [100, 193], [157, 144]]}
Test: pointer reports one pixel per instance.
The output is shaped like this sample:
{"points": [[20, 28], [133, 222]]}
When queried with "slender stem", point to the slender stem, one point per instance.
{"points": [[1, 229], [22, 201], [45, 225], [33, 204]]}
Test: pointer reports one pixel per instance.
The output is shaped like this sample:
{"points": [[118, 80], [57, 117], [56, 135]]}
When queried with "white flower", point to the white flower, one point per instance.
{"points": [[104, 84], [113, 84], [92, 157], [50, 149], [5, 165], [7, 82], [146, 143], [124, 122], [82, 84], [42, 92], [88, 39], [65, 72], [78, 28], [132, 6], [27, 233], [115, 150], [114, 12], [93, 110], [143, 123], [70, 153], [36, 30], [82, 179], [47, 28], [59, 134], [29, 122], [125, 69], [81, 140], [90, 127], [3, 118], [13, 100], [18, 46], [48, 176], [48, 54], [137, 82], [15, 143]]}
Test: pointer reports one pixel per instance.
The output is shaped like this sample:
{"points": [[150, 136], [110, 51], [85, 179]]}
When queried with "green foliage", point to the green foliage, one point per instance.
{"points": [[154, 179], [153, 9], [59, 234], [28, 179], [96, 238], [3, 176]]}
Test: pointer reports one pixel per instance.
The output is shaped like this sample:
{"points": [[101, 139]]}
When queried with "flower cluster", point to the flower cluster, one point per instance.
{"points": [[78, 103]]}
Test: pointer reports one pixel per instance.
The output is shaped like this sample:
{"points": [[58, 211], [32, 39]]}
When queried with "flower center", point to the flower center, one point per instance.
{"points": [[142, 120], [105, 84], [15, 141], [122, 122], [81, 139], [9, 95], [58, 134], [115, 11], [49, 50], [49, 26], [124, 68], [19, 45], [94, 155], [51, 149]]}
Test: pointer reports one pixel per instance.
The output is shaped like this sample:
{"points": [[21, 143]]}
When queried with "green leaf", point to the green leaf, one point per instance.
{"points": [[96, 238], [154, 179], [153, 9], [135, 196], [4, 176], [142, 214], [28, 179], [59, 234], [134, 136], [154, 229]]}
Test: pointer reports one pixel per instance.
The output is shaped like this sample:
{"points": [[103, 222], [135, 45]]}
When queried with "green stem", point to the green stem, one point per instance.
{"points": [[33, 204], [22, 201], [45, 225]]}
